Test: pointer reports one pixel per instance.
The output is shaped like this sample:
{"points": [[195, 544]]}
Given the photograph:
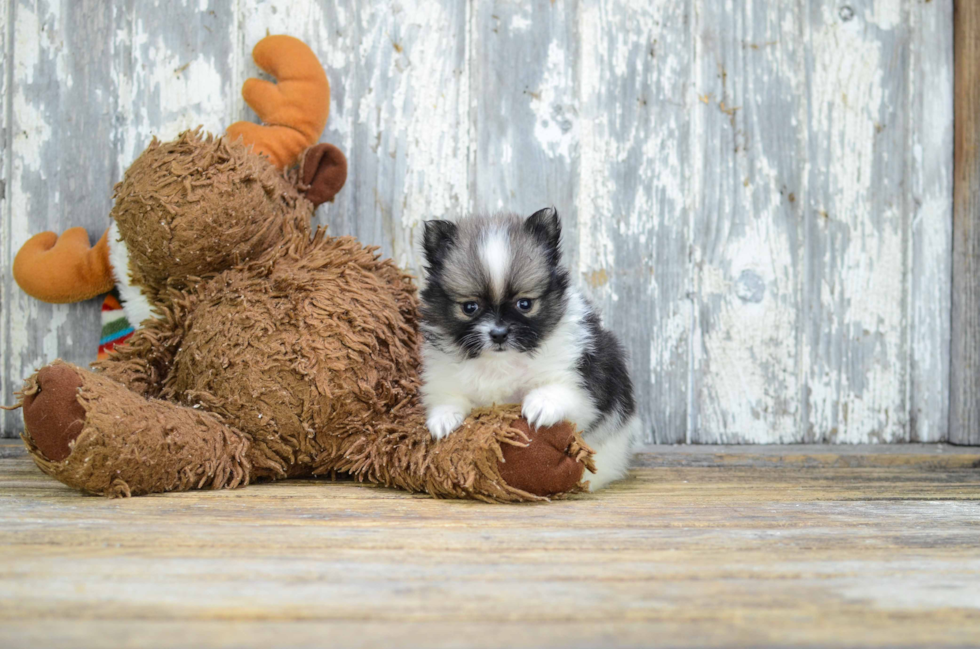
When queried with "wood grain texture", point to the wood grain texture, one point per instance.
{"points": [[930, 183], [856, 268], [757, 195], [6, 249], [708, 554], [746, 248], [634, 204], [964, 409]]}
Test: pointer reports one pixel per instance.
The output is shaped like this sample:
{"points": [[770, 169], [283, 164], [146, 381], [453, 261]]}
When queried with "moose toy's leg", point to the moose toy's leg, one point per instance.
{"points": [[493, 456], [92, 433]]}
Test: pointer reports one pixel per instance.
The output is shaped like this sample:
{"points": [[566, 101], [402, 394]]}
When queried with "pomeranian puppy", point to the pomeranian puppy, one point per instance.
{"points": [[502, 325]]}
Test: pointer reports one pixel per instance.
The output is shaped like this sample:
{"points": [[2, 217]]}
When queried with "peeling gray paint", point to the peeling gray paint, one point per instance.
{"points": [[757, 194]]}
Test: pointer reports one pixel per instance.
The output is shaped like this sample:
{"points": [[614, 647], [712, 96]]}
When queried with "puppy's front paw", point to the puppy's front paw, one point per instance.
{"points": [[541, 409], [443, 420]]}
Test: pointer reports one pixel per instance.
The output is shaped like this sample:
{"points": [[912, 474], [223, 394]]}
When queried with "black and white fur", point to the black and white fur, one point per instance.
{"points": [[531, 338]]}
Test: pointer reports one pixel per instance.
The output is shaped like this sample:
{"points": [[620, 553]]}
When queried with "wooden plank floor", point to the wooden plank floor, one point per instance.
{"points": [[779, 546]]}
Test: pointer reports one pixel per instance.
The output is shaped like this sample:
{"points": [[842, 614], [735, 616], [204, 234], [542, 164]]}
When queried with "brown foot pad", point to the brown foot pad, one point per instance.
{"points": [[53, 416], [544, 467]]}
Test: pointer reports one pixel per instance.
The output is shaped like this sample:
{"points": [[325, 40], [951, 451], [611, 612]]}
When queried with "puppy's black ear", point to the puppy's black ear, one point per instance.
{"points": [[544, 225], [437, 239]]}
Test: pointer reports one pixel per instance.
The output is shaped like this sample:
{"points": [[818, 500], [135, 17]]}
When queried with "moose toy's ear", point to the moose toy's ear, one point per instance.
{"points": [[322, 172]]}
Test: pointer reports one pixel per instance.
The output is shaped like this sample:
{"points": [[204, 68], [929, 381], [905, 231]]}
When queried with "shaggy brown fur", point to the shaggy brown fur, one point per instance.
{"points": [[200, 204], [278, 354]]}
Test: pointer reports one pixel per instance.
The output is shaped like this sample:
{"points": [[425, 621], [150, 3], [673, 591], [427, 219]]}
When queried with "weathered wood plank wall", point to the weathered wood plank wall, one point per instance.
{"points": [[965, 378], [757, 194]]}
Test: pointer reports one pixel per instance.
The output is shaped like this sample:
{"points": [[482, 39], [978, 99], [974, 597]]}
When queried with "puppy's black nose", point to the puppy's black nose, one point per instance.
{"points": [[498, 334]]}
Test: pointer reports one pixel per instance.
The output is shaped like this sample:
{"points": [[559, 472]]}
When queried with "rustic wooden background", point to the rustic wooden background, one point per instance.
{"points": [[757, 194]]}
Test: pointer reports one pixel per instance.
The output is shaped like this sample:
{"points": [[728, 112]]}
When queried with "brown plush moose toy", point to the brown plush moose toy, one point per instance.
{"points": [[265, 351]]}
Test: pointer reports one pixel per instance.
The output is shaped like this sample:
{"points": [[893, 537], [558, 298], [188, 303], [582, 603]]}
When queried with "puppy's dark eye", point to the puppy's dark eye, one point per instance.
{"points": [[524, 305], [469, 308]]}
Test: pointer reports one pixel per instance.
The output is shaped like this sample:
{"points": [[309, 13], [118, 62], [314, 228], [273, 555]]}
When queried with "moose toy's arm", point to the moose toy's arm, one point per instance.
{"points": [[64, 269]]}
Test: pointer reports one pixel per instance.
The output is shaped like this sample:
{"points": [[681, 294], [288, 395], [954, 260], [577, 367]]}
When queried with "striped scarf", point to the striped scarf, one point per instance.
{"points": [[115, 326]]}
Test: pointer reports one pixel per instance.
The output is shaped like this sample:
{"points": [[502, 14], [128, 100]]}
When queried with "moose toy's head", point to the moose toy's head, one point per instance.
{"points": [[192, 207]]}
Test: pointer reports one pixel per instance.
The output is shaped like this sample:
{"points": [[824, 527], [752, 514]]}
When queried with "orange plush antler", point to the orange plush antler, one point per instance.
{"points": [[294, 110], [64, 269]]}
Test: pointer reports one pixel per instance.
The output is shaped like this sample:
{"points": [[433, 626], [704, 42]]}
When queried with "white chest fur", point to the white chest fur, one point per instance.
{"points": [[503, 377], [508, 377]]}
